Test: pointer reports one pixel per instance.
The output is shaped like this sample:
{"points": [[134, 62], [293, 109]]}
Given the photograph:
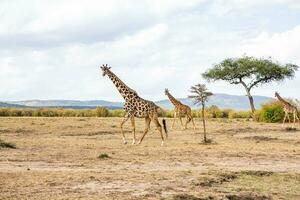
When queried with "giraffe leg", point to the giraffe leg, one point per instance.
{"points": [[288, 116], [297, 118], [181, 122], [193, 123], [147, 125], [158, 126], [190, 118], [186, 122], [133, 128], [122, 123], [174, 119], [294, 119], [285, 114]]}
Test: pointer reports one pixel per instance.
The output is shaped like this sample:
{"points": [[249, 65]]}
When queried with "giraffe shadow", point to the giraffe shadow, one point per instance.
{"points": [[291, 129]]}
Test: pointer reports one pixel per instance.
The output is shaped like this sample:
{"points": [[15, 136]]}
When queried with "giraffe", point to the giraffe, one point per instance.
{"points": [[288, 108], [180, 110], [135, 106]]}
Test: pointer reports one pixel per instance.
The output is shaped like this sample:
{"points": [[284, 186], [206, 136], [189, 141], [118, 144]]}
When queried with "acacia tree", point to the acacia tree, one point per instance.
{"points": [[250, 72], [200, 96]]}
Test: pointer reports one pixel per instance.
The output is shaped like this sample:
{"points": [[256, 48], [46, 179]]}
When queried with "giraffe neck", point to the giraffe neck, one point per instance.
{"points": [[174, 101], [123, 89], [284, 102]]}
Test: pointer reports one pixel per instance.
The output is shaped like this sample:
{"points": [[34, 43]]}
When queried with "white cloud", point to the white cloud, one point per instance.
{"points": [[53, 49], [284, 46]]}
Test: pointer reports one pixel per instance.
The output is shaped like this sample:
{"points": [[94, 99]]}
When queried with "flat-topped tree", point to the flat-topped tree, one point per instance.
{"points": [[250, 72]]}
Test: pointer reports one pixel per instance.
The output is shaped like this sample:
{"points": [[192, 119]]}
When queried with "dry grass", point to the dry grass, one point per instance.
{"points": [[74, 158]]}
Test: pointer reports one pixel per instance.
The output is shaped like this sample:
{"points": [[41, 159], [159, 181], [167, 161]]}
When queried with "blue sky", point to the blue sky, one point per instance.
{"points": [[53, 49]]}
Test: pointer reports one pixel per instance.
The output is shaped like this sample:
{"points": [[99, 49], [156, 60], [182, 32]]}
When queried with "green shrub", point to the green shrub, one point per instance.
{"points": [[101, 112], [104, 156], [213, 112], [4, 112], [239, 114], [270, 112], [117, 113]]}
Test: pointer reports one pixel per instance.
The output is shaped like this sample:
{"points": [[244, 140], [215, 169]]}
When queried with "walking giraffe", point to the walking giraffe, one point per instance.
{"points": [[135, 106], [288, 108], [180, 110]]}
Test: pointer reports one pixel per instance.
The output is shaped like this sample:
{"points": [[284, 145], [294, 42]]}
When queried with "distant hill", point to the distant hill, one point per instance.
{"points": [[220, 100], [66, 103], [223, 101], [8, 105]]}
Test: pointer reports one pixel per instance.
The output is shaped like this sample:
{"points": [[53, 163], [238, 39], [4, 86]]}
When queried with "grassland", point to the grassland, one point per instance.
{"points": [[84, 158]]}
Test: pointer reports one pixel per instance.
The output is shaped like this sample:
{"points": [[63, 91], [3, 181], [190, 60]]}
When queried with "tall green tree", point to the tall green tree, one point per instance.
{"points": [[250, 72], [200, 94]]}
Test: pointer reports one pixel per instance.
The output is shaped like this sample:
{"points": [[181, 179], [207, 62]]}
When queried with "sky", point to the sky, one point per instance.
{"points": [[53, 49]]}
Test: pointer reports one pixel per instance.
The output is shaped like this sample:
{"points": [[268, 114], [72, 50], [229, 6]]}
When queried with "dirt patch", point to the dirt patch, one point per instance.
{"points": [[222, 178], [137, 189], [191, 197], [260, 138], [234, 131], [19, 130], [89, 134], [210, 181], [291, 129], [248, 196], [256, 173], [5, 130]]}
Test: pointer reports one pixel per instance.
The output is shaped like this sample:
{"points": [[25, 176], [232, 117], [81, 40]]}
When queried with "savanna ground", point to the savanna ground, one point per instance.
{"points": [[84, 158]]}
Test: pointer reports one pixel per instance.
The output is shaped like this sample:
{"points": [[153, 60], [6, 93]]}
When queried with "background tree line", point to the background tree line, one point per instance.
{"points": [[269, 112]]}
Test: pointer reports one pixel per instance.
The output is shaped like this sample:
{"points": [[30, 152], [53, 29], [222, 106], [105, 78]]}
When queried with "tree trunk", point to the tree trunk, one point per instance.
{"points": [[251, 104], [251, 100], [204, 127]]}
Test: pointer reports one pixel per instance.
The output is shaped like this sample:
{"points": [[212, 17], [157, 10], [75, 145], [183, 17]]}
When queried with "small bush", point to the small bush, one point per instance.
{"points": [[271, 112], [239, 114], [214, 112], [102, 112], [104, 156], [7, 145], [117, 113]]}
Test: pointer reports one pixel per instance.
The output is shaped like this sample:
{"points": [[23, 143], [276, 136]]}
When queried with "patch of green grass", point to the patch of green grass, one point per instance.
{"points": [[104, 156], [4, 144]]}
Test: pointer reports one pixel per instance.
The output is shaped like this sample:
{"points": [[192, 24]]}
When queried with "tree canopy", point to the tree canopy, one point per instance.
{"points": [[200, 94], [250, 72]]}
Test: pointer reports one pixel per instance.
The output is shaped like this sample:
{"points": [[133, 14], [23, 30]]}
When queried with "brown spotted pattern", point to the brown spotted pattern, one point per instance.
{"points": [[287, 108], [135, 106], [180, 110]]}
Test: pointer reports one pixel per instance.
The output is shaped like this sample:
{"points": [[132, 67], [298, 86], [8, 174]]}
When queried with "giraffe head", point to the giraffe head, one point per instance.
{"points": [[276, 94], [104, 69], [166, 91]]}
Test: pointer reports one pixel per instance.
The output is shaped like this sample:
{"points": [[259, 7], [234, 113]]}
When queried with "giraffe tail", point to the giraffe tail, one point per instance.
{"points": [[165, 127]]}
